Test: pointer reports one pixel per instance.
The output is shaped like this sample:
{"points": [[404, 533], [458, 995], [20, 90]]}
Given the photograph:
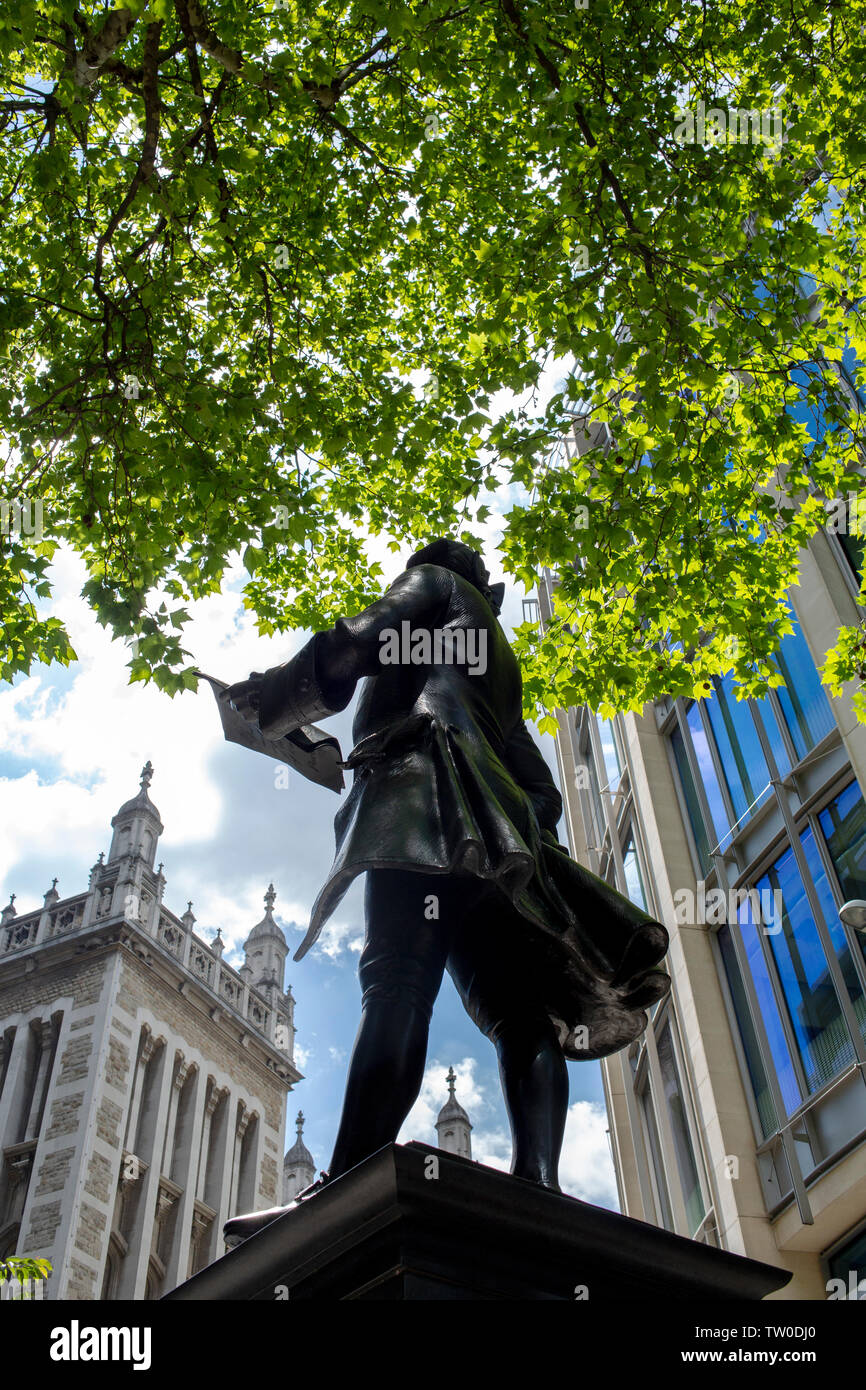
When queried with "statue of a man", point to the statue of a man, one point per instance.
{"points": [[452, 816]]}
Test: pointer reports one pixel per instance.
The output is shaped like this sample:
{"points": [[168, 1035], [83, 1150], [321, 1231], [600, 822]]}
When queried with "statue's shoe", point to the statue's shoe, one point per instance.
{"points": [[240, 1228]]}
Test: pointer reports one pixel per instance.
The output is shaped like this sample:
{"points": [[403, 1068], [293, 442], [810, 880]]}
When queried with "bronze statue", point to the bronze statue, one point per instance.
{"points": [[452, 815]]}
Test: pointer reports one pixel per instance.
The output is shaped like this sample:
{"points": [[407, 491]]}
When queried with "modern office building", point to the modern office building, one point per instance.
{"points": [[143, 1080], [739, 1118]]}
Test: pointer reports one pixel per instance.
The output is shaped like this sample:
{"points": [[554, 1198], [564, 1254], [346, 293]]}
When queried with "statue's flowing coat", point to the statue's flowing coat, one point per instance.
{"points": [[448, 780]]}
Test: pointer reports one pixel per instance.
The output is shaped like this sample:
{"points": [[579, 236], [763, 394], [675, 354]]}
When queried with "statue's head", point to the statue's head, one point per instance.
{"points": [[463, 560]]}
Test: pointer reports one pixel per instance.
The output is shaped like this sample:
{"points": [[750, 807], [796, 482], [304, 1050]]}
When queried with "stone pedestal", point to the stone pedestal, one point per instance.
{"points": [[414, 1222]]}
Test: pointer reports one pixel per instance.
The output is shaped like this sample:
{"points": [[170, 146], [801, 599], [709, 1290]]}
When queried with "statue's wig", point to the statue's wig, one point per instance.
{"points": [[463, 560]]}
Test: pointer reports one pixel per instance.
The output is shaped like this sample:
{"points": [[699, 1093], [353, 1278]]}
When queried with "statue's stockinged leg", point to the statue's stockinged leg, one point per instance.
{"points": [[488, 966], [383, 1082], [535, 1087], [400, 971]]}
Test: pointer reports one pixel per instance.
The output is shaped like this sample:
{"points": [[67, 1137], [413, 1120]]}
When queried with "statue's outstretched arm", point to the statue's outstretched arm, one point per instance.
{"points": [[321, 679]]}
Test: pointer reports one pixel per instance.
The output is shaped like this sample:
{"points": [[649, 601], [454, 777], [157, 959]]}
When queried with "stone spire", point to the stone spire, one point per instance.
{"points": [[9, 911], [453, 1128], [265, 949], [137, 825], [299, 1166]]}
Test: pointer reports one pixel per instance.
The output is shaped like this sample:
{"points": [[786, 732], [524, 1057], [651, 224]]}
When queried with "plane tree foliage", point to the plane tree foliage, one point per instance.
{"points": [[277, 277]]}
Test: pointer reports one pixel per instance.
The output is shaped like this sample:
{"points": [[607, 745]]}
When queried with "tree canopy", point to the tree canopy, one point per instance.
{"points": [[264, 266]]}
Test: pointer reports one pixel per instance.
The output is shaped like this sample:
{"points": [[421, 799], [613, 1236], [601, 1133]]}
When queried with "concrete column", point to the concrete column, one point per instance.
{"points": [[46, 1059], [13, 1100], [180, 1075], [184, 1173], [240, 1130], [211, 1103], [218, 1189], [144, 1057], [134, 1273]]}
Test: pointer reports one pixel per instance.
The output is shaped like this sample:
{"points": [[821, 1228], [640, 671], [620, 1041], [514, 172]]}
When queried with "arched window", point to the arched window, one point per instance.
{"points": [[247, 1165], [155, 1277], [117, 1248]]}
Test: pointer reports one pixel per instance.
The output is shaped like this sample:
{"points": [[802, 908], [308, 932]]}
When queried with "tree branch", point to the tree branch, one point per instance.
{"points": [[549, 67], [147, 159], [233, 61], [99, 47]]}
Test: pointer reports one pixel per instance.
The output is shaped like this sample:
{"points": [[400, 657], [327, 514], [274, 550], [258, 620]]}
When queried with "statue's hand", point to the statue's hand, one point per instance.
{"points": [[245, 696]]}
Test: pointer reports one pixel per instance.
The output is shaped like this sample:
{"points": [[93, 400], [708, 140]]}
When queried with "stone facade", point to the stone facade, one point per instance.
{"points": [[143, 1080]]}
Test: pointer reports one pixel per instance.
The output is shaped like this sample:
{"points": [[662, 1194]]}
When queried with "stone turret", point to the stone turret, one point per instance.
{"points": [[266, 949], [299, 1166], [137, 825], [453, 1128]]}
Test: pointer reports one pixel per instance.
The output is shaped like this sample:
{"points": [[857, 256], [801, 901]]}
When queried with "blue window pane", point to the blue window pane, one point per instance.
{"points": [[656, 1160], [739, 748], [834, 926], [804, 704], [785, 1073], [774, 736], [853, 545], [594, 801], [690, 795], [608, 748], [713, 791], [757, 1073], [634, 882], [850, 1259], [844, 826], [816, 1018], [805, 409], [683, 1148], [851, 366]]}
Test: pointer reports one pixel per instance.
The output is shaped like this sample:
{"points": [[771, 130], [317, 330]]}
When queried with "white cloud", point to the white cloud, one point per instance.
{"points": [[102, 730], [85, 734], [338, 937], [586, 1167]]}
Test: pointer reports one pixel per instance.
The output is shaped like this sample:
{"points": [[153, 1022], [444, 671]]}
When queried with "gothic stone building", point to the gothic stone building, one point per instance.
{"points": [[143, 1080]]}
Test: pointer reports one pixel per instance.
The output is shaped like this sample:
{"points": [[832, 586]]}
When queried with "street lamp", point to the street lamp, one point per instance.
{"points": [[853, 914]]}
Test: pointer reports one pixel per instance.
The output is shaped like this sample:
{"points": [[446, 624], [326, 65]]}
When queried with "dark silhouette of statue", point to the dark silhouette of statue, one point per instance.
{"points": [[452, 815]]}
